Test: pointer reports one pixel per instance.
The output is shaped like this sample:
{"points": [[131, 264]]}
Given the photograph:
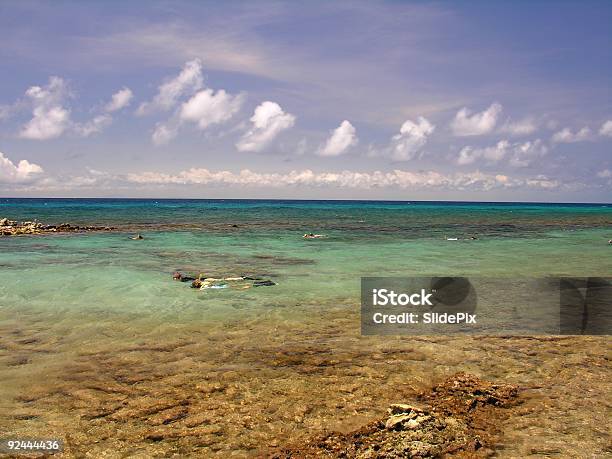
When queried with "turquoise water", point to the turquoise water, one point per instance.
{"points": [[95, 335], [108, 272]]}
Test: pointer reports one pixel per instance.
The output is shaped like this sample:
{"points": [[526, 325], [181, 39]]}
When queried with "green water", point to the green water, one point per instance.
{"points": [[109, 273], [96, 337]]}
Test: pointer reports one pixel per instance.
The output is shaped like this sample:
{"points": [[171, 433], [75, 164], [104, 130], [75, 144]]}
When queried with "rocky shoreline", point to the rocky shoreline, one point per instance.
{"points": [[15, 228], [458, 417]]}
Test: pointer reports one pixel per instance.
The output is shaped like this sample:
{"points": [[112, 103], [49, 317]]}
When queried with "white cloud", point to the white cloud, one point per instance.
{"points": [[606, 129], [467, 123], [566, 135], [518, 128], [341, 139], [52, 94], [208, 107], [469, 155], [411, 138], [49, 117], [164, 133], [606, 173], [519, 154], [205, 108], [119, 100], [268, 120], [541, 181], [94, 126], [524, 153], [344, 179], [23, 172], [47, 123], [188, 81]]}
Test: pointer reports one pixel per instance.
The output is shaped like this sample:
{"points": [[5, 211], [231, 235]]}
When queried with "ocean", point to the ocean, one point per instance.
{"points": [[95, 333], [222, 238]]}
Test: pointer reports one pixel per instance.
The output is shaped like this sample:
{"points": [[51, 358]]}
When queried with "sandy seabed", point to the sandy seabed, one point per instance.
{"points": [[113, 386]]}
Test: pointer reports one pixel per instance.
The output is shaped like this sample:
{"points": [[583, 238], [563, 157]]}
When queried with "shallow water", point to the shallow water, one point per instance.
{"points": [[363, 239], [93, 322]]}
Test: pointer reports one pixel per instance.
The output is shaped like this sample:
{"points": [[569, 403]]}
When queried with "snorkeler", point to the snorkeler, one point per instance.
{"points": [[313, 236], [179, 276], [235, 282]]}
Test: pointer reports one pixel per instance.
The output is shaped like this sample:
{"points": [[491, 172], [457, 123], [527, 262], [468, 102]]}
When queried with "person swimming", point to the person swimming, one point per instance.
{"points": [[138, 237], [313, 236], [179, 276], [234, 282]]}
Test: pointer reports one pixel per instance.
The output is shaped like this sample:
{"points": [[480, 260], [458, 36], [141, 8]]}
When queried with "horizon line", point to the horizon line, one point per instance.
{"points": [[308, 200]]}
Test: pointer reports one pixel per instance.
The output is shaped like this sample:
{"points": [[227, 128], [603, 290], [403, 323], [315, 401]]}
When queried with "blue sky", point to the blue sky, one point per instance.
{"points": [[379, 100]]}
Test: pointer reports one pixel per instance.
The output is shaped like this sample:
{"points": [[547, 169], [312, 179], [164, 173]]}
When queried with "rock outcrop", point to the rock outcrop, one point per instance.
{"points": [[459, 417], [15, 228]]}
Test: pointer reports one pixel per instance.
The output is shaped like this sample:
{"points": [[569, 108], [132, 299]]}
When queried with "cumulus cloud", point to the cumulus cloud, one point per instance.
{"points": [[164, 133], [119, 100], [566, 135], [344, 179], [519, 154], [411, 139], [187, 81], [606, 129], [47, 123], [209, 107], [49, 117], [94, 126], [606, 173], [205, 108], [268, 121], [22, 172], [519, 128], [341, 139], [467, 123], [469, 155], [524, 153]]}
